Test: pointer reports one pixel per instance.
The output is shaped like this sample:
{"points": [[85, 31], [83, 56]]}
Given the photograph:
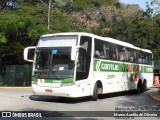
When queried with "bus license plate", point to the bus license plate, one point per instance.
{"points": [[48, 90]]}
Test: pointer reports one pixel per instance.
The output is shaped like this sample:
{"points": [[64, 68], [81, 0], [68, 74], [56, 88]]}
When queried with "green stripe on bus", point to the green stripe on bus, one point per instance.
{"points": [[148, 69], [106, 66], [34, 79], [65, 80]]}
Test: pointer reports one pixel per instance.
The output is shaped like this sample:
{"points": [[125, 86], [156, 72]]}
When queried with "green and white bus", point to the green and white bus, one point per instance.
{"points": [[77, 64]]}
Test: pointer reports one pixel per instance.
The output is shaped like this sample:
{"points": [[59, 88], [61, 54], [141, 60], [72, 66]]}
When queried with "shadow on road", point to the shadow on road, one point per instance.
{"points": [[78, 100], [59, 99], [124, 93]]}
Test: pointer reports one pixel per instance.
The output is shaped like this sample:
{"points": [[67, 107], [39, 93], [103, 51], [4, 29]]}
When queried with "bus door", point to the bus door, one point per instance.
{"points": [[83, 65]]}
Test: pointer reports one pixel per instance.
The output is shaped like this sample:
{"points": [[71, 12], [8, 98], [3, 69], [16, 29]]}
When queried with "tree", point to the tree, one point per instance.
{"points": [[23, 27], [17, 30]]}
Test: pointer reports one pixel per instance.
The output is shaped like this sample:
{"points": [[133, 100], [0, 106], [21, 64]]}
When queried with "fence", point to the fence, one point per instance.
{"points": [[15, 75]]}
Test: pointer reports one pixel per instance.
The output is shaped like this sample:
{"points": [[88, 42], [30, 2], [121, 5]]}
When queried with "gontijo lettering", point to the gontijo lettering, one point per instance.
{"points": [[109, 66]]}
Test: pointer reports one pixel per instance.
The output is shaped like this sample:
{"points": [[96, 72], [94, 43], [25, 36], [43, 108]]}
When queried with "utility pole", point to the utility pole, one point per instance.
{"points": [[49, 13]]}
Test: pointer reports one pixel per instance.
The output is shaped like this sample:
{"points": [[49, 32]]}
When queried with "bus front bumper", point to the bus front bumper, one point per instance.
{"points": [[72, 91]]}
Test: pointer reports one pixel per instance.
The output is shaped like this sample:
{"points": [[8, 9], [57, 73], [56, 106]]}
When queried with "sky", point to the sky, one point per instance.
{"points": [[141, 3]]}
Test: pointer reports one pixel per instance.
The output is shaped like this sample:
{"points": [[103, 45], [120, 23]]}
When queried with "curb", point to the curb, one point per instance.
{"points": [[15, 88], [157, 99]]}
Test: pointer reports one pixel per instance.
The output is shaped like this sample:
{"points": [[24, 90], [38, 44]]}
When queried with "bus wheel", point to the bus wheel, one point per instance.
{"points": [[139, 87], [95, 93], [144, 86]]}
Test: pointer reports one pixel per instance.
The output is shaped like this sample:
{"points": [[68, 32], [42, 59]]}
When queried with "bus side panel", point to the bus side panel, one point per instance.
{"points": [[149, 79], [111, 81]]}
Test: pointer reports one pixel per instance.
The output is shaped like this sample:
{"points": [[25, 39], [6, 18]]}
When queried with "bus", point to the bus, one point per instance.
{"points": [[77, 64]]}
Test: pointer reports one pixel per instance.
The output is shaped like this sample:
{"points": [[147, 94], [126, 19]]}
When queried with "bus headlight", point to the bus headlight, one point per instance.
{"points": [[68, 84]]}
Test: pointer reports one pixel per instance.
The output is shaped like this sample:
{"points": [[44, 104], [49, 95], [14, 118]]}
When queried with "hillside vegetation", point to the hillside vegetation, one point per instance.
{"points": [[22, 22]]}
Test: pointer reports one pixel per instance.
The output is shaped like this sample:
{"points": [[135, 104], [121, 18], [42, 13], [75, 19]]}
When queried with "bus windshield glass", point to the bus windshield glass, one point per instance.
{"points": [[54, 63]]}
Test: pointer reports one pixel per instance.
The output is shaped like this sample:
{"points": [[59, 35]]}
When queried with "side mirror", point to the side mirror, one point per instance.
{"points": [[74, 51], [25, 53]]}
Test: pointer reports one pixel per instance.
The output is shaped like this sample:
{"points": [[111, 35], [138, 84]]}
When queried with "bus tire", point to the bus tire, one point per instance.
{"points": [[139, 87], [95, 93], [144, 85]]}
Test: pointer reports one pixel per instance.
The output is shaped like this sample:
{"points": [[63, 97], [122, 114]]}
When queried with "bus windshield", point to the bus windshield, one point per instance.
{"points": [[54, 63]]}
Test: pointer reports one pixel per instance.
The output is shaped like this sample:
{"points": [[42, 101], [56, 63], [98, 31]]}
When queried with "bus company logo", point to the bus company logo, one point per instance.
{"points": [[97, 65], [109, 67], [149, 70], [106, 66]]}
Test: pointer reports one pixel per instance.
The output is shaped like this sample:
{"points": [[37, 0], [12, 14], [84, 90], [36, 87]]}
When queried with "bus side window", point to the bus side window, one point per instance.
{"points": [[135, 56], [97, 54], [147, 58], [143, 58], [99, 49], [132, 55], [140, 57], [102, 54], [114, 57], [150, 58], [124, 54], [112, 51]]}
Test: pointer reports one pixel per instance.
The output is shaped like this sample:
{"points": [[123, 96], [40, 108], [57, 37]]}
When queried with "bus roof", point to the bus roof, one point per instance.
{"points": [[108, 39]]}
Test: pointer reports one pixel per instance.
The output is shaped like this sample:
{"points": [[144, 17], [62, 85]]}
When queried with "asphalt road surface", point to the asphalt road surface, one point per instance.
{"points": [[22, 100]]}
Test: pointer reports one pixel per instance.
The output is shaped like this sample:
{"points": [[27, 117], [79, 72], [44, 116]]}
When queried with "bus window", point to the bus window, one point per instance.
{"points": [[124, 54], [140, 57], [99, 49], [97, 54], [105, 50], [144, 58], [102, 54], [132, 57], [148, 58], [112, 51]]}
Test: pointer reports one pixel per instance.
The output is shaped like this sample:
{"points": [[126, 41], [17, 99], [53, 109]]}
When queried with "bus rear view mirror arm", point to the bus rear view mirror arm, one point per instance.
{"points": [[25, 53]]}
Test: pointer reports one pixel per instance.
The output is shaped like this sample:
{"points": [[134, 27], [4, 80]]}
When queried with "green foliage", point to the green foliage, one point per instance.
{"points": [[23, 27], [88, 4], [2, 38], [60, 22], [23, 23], [19, 29], [80, 4], [103, 2]]}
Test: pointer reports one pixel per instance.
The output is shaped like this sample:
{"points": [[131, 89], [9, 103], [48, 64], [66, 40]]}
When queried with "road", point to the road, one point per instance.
{"points": [[23, 100]]}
